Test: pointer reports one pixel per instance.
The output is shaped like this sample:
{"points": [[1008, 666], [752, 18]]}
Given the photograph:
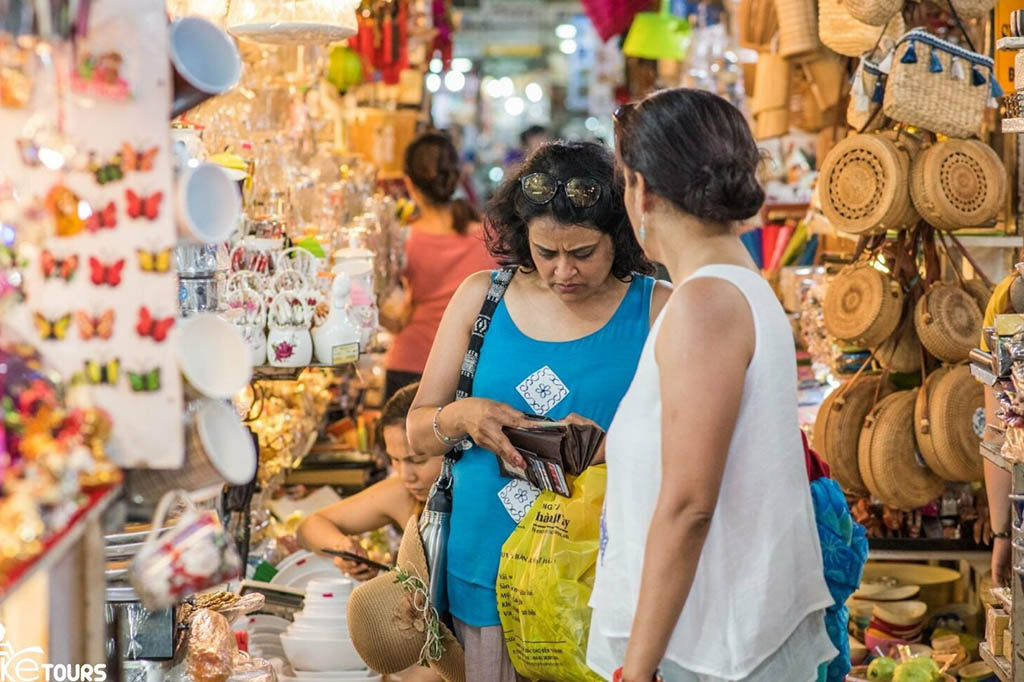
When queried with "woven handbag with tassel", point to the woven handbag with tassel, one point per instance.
{"points": [[939, 86]]}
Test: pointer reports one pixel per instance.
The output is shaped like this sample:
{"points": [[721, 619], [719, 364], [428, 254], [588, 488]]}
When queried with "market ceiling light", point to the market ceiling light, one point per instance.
{"points": [[515, 106], [492, 88], [293, 22], [496, 174], [568, 46], [534, 92], [591, 124], [462, 65], [454, 81], [658, 35], [565, 31], [436, 65], [433, 82]]}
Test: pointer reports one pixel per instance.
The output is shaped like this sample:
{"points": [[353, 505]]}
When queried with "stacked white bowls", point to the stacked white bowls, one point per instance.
{"points": [[318, 644]]}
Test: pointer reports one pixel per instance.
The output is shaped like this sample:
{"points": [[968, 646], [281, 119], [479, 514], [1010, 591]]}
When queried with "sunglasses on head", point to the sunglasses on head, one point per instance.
{"points": [[623, 112], [541, 188]]}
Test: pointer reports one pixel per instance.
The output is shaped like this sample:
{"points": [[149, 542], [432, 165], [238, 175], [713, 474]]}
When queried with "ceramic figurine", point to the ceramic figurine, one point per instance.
{"points": [[338, 330]]}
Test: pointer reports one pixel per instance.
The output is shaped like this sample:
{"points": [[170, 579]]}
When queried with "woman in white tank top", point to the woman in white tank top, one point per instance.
{"points": [[710, 566]]}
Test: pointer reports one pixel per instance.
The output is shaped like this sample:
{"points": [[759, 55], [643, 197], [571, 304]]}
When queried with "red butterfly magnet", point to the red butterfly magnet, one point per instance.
{"points": [[101, 274], [153, 327], [60, 268], [133, 159], [143, 207], [107, 218], [90, 327]]}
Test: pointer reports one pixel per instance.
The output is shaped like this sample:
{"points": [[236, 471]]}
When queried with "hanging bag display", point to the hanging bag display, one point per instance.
{"points": [[866, 94], [756, 24], [957, 184], [434, 523], [863, 185], [798, 28], [949, 418], [939, 86]]}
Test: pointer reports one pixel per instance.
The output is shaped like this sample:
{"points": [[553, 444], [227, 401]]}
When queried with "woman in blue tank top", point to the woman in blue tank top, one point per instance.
{"points": [[563, 343]]}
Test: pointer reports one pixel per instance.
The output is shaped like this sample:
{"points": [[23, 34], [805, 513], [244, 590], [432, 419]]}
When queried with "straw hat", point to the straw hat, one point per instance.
{"points": [[863, 185], [948, 322], [837, 430], [901, 352], [958, 183], [888, 457], [901, 613], [862, 305], [390, 618]]}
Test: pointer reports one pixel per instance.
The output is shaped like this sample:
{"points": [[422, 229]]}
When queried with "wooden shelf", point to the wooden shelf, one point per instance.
{"points": [[1013, 125], [65, 541], [1000, 666], [993, 241], [271, 373], [996, 458]]}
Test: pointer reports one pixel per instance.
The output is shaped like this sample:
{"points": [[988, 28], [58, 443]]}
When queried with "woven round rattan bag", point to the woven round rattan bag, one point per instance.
{"points": [[889, 462], [957, 421], [957, 184], [923, 426], [979, 291], [948, 322], [901, 352], [863, 185], [862, 305], [837, 430]]}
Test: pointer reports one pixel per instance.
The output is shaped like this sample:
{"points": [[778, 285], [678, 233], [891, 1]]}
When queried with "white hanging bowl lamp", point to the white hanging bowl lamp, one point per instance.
{"points": [[293, 22]]}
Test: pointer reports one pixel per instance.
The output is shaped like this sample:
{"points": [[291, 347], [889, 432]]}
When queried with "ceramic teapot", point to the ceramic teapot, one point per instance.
{"points": [[288, 342]]}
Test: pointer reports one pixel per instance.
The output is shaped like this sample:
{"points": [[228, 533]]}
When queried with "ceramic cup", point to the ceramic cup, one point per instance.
{"points": [[194, 555], [289, 347], [209, 204], [213, 356], [205, 62]]}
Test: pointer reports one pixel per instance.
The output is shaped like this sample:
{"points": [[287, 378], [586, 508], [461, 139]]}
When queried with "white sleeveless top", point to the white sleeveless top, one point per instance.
{"points": [[756, 607]]}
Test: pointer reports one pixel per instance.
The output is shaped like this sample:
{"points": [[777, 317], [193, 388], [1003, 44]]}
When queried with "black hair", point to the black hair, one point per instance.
{"points": [[694, 149], [395, 410], [432, 164], [509, 212], [533, 130]]}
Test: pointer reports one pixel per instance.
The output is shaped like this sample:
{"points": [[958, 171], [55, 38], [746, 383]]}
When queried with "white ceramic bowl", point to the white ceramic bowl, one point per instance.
{"points": [[213, 356], [331, 623], [306, 632], [319, 655], [332, 674], [330, 611], [336, 585], [338, 676]]}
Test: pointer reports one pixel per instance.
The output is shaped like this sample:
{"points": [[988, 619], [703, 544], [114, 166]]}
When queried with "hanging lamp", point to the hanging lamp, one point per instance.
{"points": [[293, 22], [658, 35]]}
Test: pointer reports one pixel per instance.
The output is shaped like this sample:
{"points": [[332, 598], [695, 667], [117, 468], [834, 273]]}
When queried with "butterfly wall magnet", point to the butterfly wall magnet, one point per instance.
{"points": [[90, 327], [54, 267], [52, 329], [153, 327], [105, 274], [144, 382], [147, 207]]}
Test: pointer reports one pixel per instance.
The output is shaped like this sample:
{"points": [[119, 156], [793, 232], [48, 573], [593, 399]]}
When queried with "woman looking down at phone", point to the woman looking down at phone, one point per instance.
{"points": [[393, 500], [563, 341]]}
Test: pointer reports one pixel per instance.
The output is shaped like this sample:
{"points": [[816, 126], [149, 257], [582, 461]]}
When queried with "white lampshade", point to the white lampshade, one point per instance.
{"points": [[292, 22]]}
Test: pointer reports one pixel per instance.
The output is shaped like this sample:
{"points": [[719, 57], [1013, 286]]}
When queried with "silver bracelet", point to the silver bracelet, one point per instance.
{"points": [[437, 431]]}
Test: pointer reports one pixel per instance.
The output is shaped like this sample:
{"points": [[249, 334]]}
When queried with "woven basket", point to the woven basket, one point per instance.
{"points": [[862, 306], [958, 183], [771, 123], [841, 33], [901, 352], [860, 112], [756, 23], [771, 83], [973, 9], [874, 12], [979, 291], [957, 411], [837, 430], [798, 28], [948, 322], [863, 186], [924, 428], [888, 456], [938, 86]]}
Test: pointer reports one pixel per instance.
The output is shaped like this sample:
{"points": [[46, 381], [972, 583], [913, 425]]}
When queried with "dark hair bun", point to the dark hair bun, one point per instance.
{"points": [[432, 164], [694, 149]]}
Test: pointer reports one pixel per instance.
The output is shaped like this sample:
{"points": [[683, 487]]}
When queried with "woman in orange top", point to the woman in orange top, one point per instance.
{"points": [[445, 246]]}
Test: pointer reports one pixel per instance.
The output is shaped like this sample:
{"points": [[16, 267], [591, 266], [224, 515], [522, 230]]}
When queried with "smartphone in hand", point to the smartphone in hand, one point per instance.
{"points": [[356, 558]]}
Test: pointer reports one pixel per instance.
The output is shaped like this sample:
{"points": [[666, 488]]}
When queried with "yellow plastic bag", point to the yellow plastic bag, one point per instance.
{"points": [[545, 578]]}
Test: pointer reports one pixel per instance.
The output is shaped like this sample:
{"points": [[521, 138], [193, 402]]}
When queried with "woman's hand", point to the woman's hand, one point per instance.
{"points": [[1002, 558], [355, 569], [578, 420], [483, 421]]}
